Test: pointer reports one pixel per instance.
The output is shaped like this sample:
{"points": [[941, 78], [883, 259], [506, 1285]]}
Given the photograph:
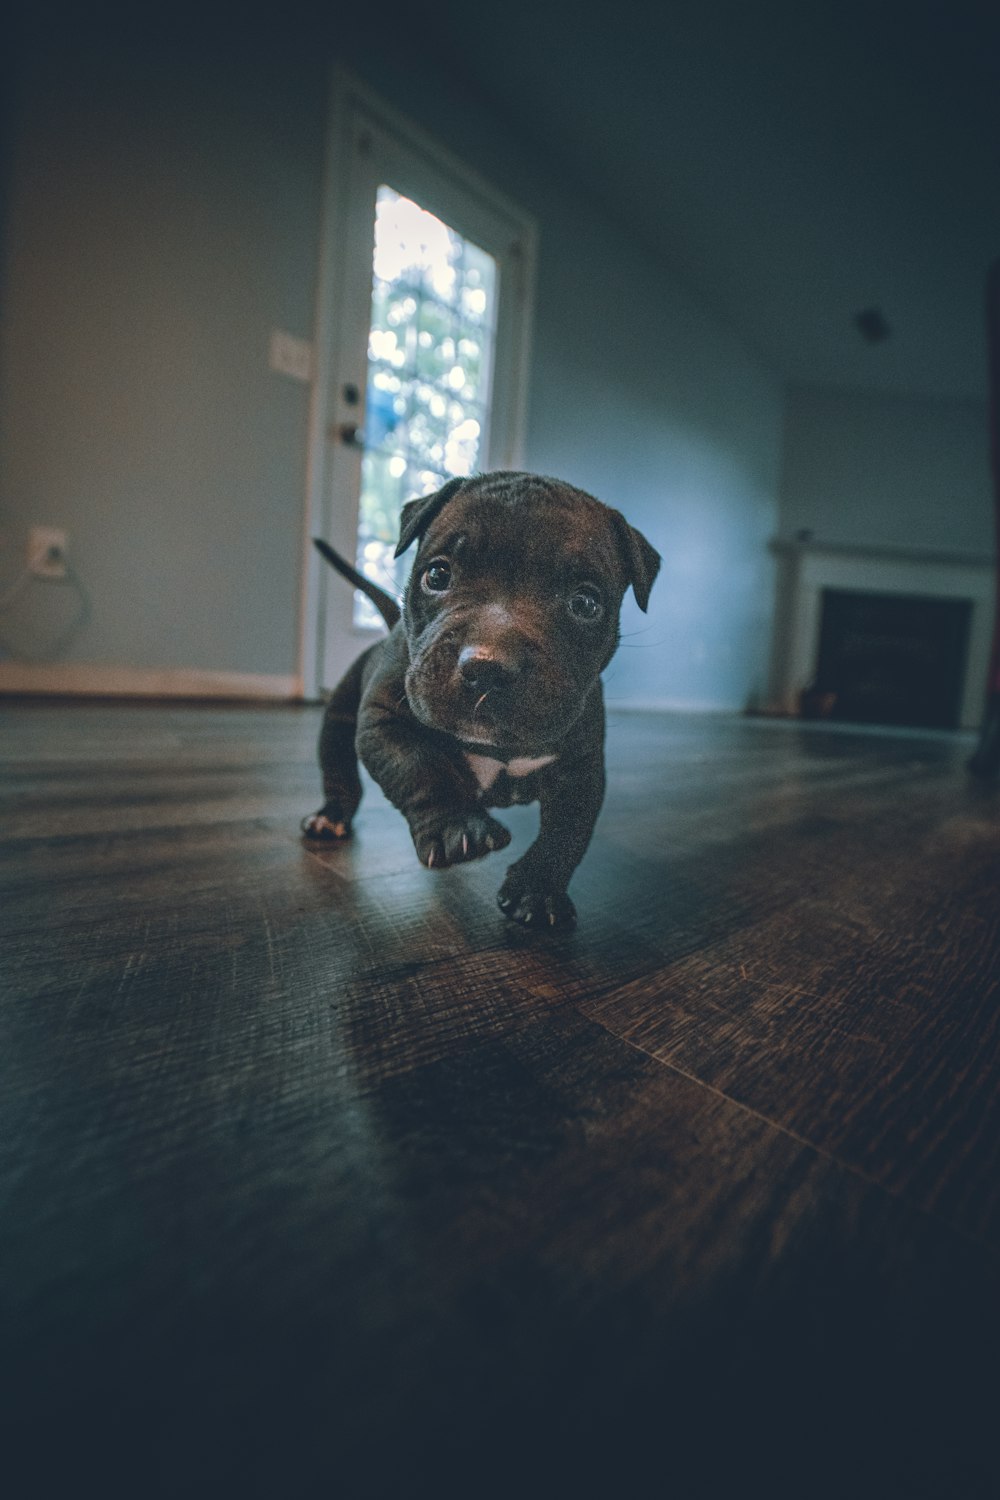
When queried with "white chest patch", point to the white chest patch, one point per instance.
{"points": [[486, 770]]}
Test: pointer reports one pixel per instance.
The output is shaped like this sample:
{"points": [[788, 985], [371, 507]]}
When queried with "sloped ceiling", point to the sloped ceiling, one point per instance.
{"points": [[796, 162]]}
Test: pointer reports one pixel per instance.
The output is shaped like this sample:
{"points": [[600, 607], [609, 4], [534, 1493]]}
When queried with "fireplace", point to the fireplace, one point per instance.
{"points": [[918, 616], [891, 658]]}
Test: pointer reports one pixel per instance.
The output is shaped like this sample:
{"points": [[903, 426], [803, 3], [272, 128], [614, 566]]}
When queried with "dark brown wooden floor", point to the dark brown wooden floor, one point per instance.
{"points": [[317, 1178]]}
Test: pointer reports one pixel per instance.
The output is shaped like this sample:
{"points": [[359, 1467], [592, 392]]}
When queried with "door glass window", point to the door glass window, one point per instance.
{"points": [[430, 366]]}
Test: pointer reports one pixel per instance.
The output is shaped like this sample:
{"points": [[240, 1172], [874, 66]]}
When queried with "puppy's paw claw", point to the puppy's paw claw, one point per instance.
{"points": [[538, 908], [320, 826], [460, 840]]}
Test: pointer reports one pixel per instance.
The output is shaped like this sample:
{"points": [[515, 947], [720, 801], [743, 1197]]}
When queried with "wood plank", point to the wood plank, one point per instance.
{"points": [[546, 1256], [318, 1176], [840, 975]]}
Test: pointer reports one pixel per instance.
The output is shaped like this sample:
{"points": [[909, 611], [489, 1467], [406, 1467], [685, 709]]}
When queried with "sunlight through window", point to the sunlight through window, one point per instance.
{"points": [[430, 361]]}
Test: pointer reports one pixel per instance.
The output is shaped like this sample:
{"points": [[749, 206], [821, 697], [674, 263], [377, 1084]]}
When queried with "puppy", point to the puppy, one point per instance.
{"points": [[487, 691]]}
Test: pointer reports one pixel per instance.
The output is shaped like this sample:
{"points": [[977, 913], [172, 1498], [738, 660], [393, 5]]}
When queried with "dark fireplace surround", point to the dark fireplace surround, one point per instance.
{"points": [[894, 659]]}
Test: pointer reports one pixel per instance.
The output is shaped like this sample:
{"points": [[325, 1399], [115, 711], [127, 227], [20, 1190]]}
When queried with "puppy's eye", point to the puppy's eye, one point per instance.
{"points": [[437, 576], [585, 603]]}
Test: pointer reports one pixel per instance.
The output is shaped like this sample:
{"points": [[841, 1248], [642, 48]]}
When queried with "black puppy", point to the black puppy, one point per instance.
{"points": [[487, 692]]}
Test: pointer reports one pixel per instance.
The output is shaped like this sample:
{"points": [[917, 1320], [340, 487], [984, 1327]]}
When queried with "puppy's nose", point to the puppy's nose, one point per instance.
{"points": [[481, 668]]}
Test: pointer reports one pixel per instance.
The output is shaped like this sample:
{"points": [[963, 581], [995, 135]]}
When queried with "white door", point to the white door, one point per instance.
{"points": [[425, 349]]}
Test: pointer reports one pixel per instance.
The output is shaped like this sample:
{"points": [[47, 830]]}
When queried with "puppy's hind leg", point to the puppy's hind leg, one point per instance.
{"points": [[338, 760]]}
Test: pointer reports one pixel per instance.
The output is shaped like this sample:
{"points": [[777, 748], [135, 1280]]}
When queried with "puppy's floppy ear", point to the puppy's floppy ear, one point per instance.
{"points": [[642, 562], [418, 514]]}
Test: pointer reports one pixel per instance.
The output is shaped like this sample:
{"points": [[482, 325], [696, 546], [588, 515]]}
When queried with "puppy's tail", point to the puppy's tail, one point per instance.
{"points": [[383, 602]]}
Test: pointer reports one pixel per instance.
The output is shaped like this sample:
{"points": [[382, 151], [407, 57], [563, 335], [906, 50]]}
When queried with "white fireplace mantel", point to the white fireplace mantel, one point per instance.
{"points": [[806, 567]]}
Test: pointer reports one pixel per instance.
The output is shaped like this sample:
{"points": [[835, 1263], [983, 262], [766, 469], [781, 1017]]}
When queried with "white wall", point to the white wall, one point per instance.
{"points": [[162, 219], [888, 471], [642, 396], [164, 215], [655, 408]]}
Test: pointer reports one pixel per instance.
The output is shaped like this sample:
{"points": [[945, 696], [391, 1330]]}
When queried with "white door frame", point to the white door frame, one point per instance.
{"points": [[453, 191]]}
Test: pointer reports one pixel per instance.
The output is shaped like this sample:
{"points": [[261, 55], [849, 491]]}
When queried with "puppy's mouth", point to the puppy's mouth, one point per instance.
{"points": [[483, 723], [477, 723], [515, 718]]}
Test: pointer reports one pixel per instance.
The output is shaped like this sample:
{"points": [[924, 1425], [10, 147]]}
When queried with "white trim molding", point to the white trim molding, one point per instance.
{"points": [[365, 132], [73, 679]]}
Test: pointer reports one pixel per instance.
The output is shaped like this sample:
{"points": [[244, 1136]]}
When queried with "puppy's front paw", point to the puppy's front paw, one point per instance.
{"points": [[536, 908], [328, 823], [454, 841]]}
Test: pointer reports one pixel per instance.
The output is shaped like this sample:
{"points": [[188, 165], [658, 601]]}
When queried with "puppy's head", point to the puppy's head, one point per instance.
{"points": [[511, 609]]}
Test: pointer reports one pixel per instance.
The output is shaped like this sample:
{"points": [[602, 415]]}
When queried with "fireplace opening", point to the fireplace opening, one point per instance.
{"points": [[890, 659]]}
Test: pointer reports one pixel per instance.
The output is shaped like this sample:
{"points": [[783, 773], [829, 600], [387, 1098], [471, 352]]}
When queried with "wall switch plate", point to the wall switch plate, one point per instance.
{"points": [[47, 548], [291, 356]]}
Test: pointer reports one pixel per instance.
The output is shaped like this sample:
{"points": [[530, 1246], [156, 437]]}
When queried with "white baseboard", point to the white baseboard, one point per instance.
{"points": [[73, 679], [671, 706]]}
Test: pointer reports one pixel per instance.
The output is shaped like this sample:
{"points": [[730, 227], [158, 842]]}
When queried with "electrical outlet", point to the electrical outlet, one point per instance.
{"points": [[47, 548]]}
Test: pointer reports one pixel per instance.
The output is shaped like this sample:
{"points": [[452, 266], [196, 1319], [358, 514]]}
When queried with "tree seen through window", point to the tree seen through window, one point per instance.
{"points": [[430, 351]]}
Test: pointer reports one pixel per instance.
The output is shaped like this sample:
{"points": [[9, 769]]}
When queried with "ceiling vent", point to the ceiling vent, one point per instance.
{"points": [[870, 323]]}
